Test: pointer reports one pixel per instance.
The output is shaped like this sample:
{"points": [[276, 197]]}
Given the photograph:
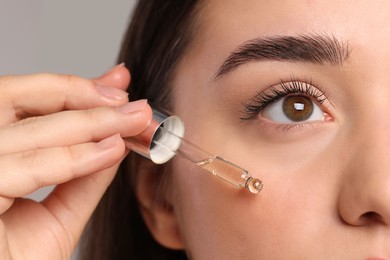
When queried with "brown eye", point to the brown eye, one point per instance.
{"points": [[293, 109], [297, 108]]}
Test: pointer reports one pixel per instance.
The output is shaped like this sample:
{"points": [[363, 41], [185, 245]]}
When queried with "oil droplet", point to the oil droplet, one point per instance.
{"points": [[254, 185]]}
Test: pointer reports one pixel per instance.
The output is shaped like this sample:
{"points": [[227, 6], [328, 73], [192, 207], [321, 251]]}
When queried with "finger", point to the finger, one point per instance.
{"points": [[117, 77], [72, 127], [23, 173], [41, 94], [4, 246], [73, 203], [5, 204]]}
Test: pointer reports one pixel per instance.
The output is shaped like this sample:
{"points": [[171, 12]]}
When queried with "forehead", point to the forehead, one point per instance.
{"points": [[223, 25], [289, 16]]}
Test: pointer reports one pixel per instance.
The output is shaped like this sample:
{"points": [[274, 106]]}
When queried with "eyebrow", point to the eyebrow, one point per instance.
{"points": [[317, 49]]}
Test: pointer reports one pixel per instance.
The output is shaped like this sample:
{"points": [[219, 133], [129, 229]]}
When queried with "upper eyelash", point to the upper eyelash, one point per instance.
{"points": [[265, 98]]}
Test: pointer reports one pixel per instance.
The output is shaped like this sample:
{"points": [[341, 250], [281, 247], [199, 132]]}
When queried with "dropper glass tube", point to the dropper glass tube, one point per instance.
{"points": [[163, 139], [216, 165]]}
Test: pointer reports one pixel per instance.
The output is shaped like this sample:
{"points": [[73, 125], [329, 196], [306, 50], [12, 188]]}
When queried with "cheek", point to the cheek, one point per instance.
{"points": [[217, 219]]}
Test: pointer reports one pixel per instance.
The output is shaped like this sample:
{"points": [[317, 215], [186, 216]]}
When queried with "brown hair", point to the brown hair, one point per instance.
{"points": [[157, 37]]}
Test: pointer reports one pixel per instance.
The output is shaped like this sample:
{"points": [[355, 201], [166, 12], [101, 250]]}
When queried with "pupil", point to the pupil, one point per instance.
{"points": [[297, 108]]}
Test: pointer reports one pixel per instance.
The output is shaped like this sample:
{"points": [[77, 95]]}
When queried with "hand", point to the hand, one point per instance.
{"points": [[65, 131]]}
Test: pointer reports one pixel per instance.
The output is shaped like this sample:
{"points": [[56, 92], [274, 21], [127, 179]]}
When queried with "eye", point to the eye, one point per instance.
{"points": [[289, 102], [293, 109]]}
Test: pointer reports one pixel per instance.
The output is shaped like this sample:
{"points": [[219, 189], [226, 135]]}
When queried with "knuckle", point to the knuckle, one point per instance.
{"points": [[100, 114], [30, 124], [70, 156], [29, 158], [69, 79], [32, 161], [74, 81], [90, 115]]}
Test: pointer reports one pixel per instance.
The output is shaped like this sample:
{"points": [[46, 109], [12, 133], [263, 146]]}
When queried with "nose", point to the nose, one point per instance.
{"points": [[364, 198]]}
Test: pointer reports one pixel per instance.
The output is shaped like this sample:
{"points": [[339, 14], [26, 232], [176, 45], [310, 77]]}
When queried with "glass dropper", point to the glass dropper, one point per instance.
{"points": [[216, 165], [163, 139]]}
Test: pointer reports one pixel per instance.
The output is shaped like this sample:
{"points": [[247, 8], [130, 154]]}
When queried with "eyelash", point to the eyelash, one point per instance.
{"points": [[293, 87]]}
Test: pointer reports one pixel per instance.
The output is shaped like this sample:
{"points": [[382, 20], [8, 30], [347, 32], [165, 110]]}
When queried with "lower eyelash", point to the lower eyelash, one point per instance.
{"points": [[257, 104]]}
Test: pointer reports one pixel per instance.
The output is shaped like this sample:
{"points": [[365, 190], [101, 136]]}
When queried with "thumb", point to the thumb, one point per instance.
{"points": [[117, 77]]}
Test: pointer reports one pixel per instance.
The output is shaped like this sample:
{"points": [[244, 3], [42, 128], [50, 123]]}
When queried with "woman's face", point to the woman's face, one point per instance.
{"points": [[305, 108]]}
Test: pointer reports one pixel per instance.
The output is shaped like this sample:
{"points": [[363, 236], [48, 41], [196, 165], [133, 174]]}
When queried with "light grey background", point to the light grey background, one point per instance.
{"points": [[74, 36], [79, 37]]}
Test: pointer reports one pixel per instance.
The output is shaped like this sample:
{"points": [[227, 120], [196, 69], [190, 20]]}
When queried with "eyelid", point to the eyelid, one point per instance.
{"points": [[277, 91]]}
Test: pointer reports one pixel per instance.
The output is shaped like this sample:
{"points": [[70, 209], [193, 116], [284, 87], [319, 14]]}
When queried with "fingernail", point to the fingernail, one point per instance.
{"points": [[108, 142], [133, 106], [112, 93]]}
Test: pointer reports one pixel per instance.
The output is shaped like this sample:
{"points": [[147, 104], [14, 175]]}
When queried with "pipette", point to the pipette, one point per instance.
{"points": [[216, 165], [163, 139]]}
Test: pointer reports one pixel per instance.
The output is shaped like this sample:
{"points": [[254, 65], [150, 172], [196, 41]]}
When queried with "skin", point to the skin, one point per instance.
{"points": [[72, 139], [326, 182], [326, 193]]}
